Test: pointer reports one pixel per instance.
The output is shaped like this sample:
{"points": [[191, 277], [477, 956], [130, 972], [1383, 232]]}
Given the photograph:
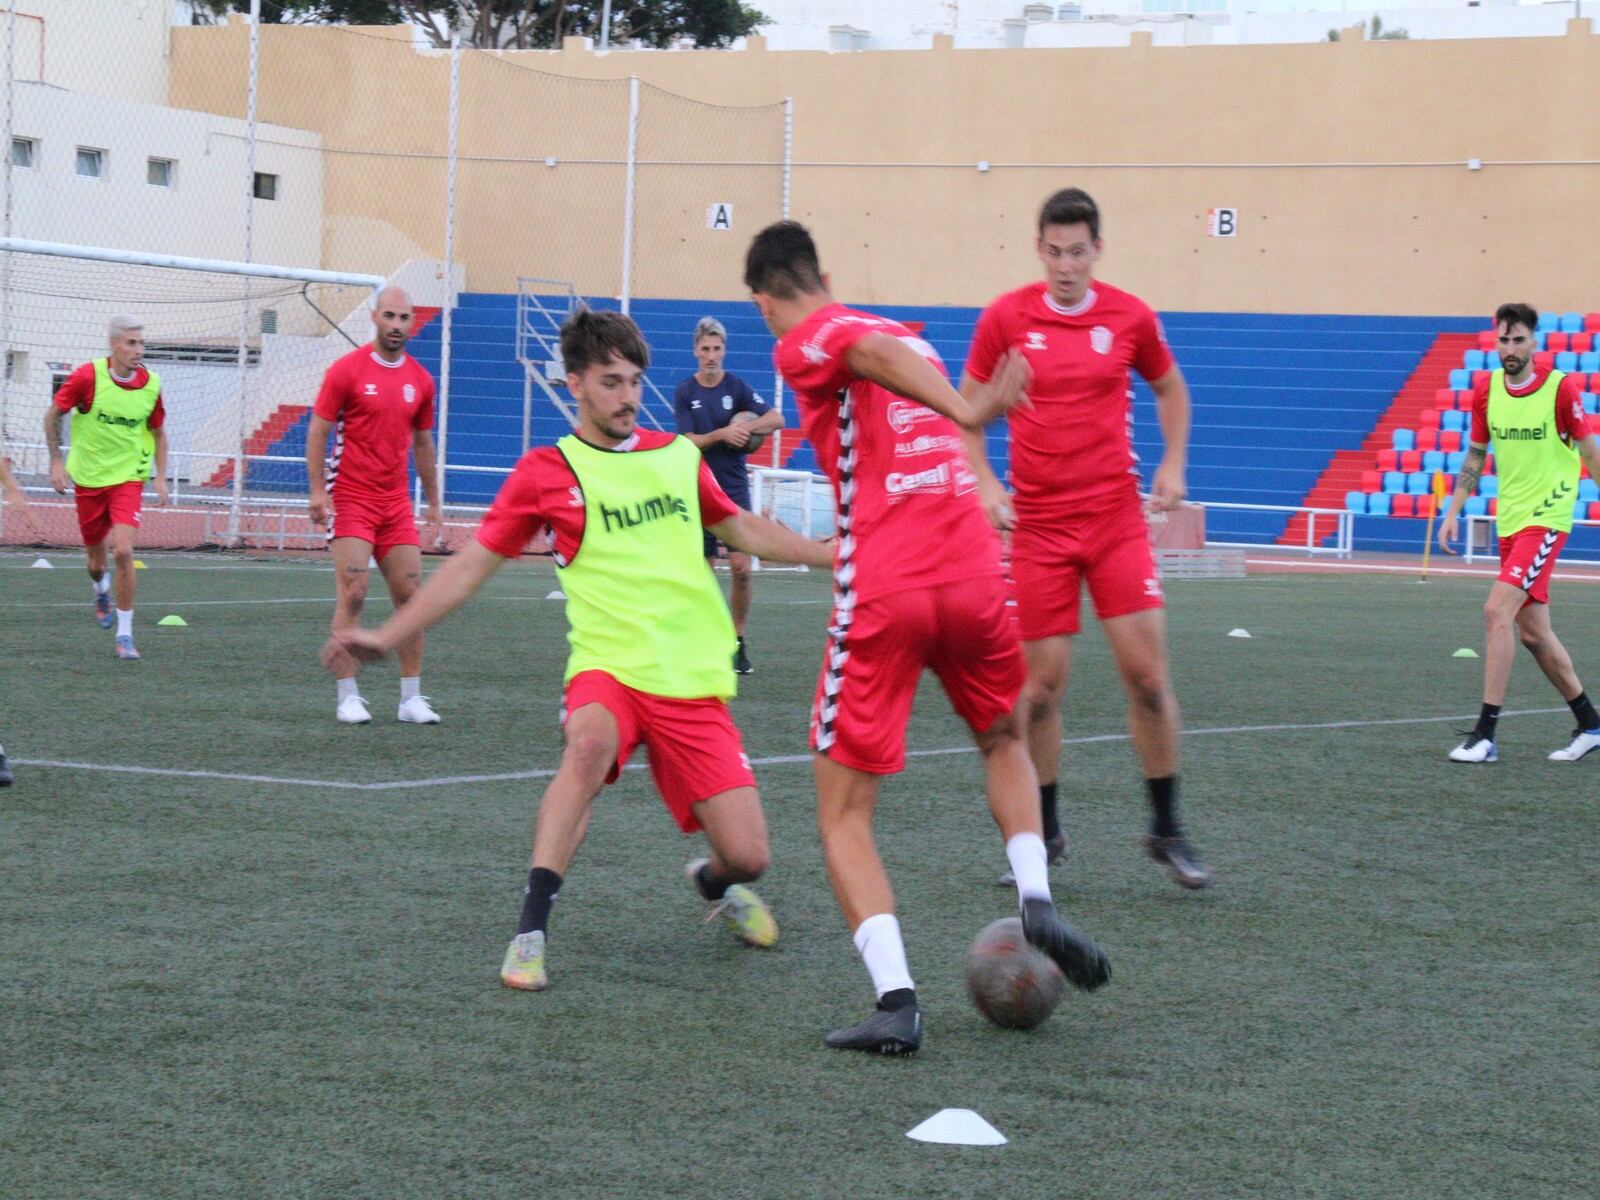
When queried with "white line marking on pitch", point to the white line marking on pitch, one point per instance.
{"points": [[772, 761], [1290, 564]]}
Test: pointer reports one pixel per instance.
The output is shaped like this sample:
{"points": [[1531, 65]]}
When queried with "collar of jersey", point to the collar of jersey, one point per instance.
{"points": [[631, 442], [1077, 310], [383, 362]]}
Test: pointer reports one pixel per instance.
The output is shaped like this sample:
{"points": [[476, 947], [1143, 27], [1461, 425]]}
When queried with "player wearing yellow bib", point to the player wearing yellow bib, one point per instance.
{"points": [[117, 440], [651, 641], [1540, 435]]}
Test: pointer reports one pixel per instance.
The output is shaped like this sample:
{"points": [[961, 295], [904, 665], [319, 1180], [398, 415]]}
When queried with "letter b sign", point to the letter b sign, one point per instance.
{"points": [[1222, 222]]}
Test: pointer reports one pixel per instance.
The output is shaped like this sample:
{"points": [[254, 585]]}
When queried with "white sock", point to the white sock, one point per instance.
{"points": [[103, 584], [1030, 867], [347, 688], [878, 940], [410, 685], [124, 622]]}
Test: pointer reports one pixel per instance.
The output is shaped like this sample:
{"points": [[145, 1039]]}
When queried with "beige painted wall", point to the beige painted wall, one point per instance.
{"points": [[1346, 162]]}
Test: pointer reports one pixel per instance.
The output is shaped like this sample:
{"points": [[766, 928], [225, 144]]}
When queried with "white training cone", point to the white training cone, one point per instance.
{"points": [[958, 1127], [1244, 633], [44, 563], [372, 564], [558, 594]]}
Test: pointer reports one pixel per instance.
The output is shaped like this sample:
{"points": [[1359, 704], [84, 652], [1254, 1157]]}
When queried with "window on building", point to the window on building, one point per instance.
{"points": [[161, 172], [91, 162], [16, 366], [23, 151], [266, 187]]}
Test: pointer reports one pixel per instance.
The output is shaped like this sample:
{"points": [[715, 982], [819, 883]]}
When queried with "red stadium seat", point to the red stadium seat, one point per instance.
{"points": [[1372, 481], [1388, 460], [1410, 461], [1580, 343], [1594, 510], [1444, 399], [1479, 376], [1403, 506], [1487, 340], [1427, 439], [1494, 506], [1591, 321], [1555, 342], [1428, 418], [1544, 360], [1450, 441], [1464, 401]]}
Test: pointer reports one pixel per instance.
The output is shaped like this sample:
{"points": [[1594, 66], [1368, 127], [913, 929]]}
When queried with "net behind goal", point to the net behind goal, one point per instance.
{"points": [[240, 349]]}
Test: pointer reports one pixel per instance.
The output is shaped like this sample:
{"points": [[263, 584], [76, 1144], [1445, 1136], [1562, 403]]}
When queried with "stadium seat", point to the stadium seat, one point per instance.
{"points": [[1473, 360], [1591, 321], [1432, 460], [1487, 339], [1444, 399], [1556, 342], [1566, 361], [1372, 481], [1581, 342], [1428, 418], [1450, 440], [1571, 322], [1549, 322], [1478, 377], [1388, 460], [1402, 506], [1427, 439], [1591, 402], [1419, 483], [1476, 506], [1394, 481], [1588, 491], [1489, 486], [1355, 502], [1410, 461], [1404, 439], [1594, 511], [1460, 381], [1455, 419], [1452, 462], [1378, 506], [1543, 360], [1494, 508], [1589, 362], [1594, 422]]}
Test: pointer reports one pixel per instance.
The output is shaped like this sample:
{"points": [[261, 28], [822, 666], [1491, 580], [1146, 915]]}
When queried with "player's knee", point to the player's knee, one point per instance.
{"points": [[1532, 640], [747, 862], [123, 556], [1147, 689], [1495, 618], [588, 755], [1042, 699], [1004, 730]]}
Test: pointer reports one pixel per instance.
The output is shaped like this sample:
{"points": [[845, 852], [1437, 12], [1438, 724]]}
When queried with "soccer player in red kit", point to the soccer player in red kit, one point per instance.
{"points": [[379, 402], [917, 583], [1076, 516]]}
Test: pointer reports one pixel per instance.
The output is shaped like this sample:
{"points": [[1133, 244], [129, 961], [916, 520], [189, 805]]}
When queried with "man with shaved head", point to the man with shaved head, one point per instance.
{"points": [[377, 401]]}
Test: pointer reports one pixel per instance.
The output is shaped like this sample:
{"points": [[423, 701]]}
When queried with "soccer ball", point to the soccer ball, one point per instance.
{"points": [[757, 441], [1013, 984]]}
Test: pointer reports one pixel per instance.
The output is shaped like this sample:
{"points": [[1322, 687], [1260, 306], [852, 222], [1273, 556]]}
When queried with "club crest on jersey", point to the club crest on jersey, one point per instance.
{"points": [[370, 389], [1035, 341], [727, 403], [410, 393], [1100, 339]]}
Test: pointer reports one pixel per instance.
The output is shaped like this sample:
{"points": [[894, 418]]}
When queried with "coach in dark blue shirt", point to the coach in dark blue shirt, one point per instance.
{"points": [[705, 405]]}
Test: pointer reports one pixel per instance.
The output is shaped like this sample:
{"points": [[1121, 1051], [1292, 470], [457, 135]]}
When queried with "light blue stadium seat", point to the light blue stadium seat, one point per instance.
{"points": [[1589, 362], [1540, 339], [1566, 361], [1588, 491], [1460, 381], [1453, 461], [1405, 439], [1549, 323], [1476, 506], [1355, 502], [1571, 322], [1455, 420], [1489, 486], [1491, 360], [1472, 360], [1394, 482], [1591, 402], [1378, 505], [1432, 460], [1418, 483]]}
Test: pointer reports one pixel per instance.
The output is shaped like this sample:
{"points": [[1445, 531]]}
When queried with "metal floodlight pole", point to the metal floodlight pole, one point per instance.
{"points": [[249, 254], [605, 25], [449, 262], [627, 203], [5, 267]]}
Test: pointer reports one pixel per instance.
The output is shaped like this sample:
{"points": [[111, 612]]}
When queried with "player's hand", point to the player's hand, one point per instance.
{"points": [[434, 515], [996, 503], [737, 435], [1008, 386], [1447, 533], [1168, 488], [162, 493], [58, 477], [321, 510]]}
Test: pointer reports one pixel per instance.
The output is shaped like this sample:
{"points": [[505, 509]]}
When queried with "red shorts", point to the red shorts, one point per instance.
{"points": [[1528, 559], [384, 521], [1051, 559], [966, 631], [694, 746], [102, 507]]}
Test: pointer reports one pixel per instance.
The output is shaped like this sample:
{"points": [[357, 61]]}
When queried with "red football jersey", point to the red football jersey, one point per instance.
{"points": [[1074, 447], [906, 494], [376, 407], [1571, 421], [77, 392], [542, 493]]}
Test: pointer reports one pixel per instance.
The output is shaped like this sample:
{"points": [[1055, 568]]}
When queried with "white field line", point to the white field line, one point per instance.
{"points": [[773, 761], [1397, 569]]}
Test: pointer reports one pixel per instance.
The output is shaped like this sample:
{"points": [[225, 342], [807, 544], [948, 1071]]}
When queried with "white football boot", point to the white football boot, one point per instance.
{"points": [[1583, 741], [417, 711], [1475, 750], [353, 711]]}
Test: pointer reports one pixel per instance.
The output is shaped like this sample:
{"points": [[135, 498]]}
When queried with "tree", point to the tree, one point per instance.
{"points": [[519, 24]]}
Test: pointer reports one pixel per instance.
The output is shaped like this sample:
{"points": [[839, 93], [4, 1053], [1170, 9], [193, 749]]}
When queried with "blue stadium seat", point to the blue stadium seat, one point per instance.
{"points": [[1453, 461], [1589, 362], [1571, 322], [1394, 482], [1588, 491], [1419, 483], [1405, 439], [1461, 381], [1355, 502], [1476, 506], [1455, 420], [1432, 460], [1472, 360], [1566, 361], [1491, 360], [1591, 402], [1489, 486], [1549, 323], [1378, 505]]}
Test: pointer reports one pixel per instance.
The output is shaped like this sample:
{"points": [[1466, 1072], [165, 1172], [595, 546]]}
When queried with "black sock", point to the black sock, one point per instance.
{"points": [[897, 998], [1163, 805], [1583, 708], [710, 886], [1047, 810], [543, 885], [1487, 716]]}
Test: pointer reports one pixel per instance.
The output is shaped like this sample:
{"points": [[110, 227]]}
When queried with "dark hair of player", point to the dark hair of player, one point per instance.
{"points": [[782, 262], [1517, 314], [589, 337], [1069, 206]]}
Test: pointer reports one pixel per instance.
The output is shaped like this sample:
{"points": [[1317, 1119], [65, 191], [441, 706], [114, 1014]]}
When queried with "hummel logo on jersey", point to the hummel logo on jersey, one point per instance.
{"points": [[695, 405], [1516, 572], [371, 389], [1100, 339], [1513, 433], [1152, 587], [1035, 341], [628, 515]]}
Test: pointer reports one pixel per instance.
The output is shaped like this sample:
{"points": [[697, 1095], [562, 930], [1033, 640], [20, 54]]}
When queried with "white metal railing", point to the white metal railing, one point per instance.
{"points": [[1342, 521]]}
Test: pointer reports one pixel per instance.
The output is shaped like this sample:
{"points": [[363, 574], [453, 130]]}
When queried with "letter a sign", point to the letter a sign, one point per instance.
{"points": [[719, 216], [1222, 222]]}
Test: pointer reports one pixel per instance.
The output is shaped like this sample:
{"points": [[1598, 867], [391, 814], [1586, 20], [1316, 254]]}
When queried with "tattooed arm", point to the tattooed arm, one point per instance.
{"points": [[1466, 484]]}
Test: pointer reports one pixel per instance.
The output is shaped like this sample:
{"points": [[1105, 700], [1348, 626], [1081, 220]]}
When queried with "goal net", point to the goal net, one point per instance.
{"points": [[240, 349]]}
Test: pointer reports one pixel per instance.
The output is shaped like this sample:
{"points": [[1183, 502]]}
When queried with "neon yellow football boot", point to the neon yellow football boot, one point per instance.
{"points": [[745, 912], [523, 968]]}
